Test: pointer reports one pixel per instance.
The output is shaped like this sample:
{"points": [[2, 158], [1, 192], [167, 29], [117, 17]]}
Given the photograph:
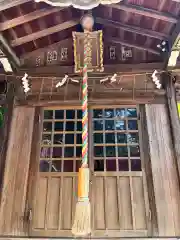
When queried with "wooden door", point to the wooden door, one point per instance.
{"points": [[119, 206], [59, 158], [119, 198]]}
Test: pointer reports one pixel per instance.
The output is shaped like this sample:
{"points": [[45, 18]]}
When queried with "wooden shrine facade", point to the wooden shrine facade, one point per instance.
{"points": [[134, 128]]}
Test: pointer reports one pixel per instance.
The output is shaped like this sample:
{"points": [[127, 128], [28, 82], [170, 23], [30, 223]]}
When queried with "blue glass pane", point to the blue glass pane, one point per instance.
{"points": [[132, 125], [120, 125], [109, 113], [132, 112]]}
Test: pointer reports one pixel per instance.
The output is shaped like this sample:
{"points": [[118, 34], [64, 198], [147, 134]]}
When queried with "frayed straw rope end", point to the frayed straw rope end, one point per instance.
{"points": [[82, 221]]}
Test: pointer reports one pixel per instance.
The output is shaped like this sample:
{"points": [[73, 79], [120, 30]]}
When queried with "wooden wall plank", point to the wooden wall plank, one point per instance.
{"points": [[146, 165], [125, 203], [67, 196], [98, 198], [53, 205], [111, 199], [139, 203], [16, 171], [166, 184], [40, 203]]}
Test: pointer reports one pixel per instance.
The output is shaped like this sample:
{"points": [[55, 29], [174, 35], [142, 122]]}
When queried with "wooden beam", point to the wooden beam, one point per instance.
{"points": [[145, 11], [133, 29], [116, 40], [9, 52], [27, 18], [5, 4], [44, 33], [174, 47], [108, 69], [40, 50]]}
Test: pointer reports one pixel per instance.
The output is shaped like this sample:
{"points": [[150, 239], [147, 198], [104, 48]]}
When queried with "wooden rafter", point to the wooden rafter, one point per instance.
{"points": [[27, 18], [40, 50], [43, 33], [5, 4], [9, 52], [133, 29], [174, 47], [146, 12], [118, 41]]}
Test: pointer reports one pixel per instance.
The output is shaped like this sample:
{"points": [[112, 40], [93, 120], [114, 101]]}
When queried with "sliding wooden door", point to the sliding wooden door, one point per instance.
{"points": [[117, 190], [119, 197]]}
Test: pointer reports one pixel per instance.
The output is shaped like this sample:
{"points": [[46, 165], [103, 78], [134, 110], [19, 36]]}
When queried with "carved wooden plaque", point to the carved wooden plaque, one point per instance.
{"points": [[96, 43]]}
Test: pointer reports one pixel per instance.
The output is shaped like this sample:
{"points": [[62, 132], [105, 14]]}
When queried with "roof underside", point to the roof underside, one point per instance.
{"points": [[140, 24]]}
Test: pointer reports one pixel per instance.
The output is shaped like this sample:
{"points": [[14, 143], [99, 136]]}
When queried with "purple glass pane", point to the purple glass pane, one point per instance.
{"points": [[135, 165], [123, 165], [78, 165], [68, 166], [111, 165], [56, 166], [57, 152], [44, 166], [45, 152]]}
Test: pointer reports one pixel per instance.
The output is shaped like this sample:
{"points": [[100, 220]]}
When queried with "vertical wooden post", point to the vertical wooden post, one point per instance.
{"points": [[164, 170], [4, 131], [145, 153], [13, 200], [173, 114]]}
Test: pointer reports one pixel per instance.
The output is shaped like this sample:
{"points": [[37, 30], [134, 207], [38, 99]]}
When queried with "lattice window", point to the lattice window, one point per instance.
{"points": [[116, 140], [61, 141]]}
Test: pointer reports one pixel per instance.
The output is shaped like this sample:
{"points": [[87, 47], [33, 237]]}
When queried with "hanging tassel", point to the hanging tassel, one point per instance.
{"points": [[82, 220]]}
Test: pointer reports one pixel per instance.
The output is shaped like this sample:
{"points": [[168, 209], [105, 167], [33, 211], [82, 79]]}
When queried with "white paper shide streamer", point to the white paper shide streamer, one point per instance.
{"points": [[156, 80], [25, 83]]}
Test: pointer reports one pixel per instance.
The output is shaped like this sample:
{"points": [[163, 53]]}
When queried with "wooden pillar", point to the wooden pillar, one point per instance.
{"points": [[12, 206], [173, 114], [164, 170], [145, 153], [7, 103]]}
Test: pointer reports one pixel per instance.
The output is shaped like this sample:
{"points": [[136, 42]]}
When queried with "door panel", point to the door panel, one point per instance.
{"points": [[54, 205], [117, 192], [119, 206]]}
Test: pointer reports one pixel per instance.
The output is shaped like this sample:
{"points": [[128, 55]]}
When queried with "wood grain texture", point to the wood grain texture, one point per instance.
{"points": [[166, 185], [173, 114], [145, 153], [16, 172]]}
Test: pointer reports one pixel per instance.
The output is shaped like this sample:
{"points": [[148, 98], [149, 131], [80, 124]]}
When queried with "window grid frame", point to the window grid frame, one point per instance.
{"points": [[75, 120], [115, 144], [64, 133]]}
